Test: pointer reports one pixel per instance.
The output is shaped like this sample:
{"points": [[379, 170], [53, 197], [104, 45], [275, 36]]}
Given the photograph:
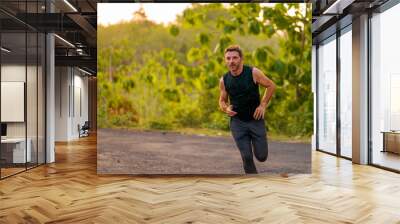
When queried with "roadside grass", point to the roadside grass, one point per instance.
{"points": [[215, 133]]}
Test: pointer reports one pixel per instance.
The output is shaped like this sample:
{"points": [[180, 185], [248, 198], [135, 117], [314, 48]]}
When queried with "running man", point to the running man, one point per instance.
{"points": [[246, 111]]}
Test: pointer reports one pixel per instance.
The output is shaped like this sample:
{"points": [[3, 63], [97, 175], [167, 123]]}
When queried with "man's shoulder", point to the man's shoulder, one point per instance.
{"points": [[225, 75], [250, 67], [255, 71]]}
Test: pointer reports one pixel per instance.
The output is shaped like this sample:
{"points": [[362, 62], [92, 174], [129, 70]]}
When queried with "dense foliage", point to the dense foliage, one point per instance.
{"points": [[166, 76]]}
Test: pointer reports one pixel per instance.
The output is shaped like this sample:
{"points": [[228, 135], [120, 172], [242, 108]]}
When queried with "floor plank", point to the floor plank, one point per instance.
{"points": [[70, 191]]}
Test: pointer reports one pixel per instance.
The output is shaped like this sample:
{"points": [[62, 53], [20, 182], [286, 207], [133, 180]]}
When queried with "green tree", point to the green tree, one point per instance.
{"points": [[157, 76]]}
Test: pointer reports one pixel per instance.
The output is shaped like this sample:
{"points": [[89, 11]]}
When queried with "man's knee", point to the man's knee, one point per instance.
{"points": [[262, 158], [261, 151]]}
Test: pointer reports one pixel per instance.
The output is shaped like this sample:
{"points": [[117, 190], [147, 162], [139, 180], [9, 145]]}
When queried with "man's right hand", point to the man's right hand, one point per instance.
{"points": [[229, 111]]}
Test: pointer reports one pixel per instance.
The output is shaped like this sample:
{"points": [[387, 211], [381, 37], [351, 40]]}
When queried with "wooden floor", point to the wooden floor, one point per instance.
{"points": [[387, 159], [10, 171], [70, 191]]}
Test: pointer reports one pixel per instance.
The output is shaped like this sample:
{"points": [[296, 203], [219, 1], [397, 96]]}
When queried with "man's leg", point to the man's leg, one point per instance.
{"points": [[243, 141], [259, 139]]}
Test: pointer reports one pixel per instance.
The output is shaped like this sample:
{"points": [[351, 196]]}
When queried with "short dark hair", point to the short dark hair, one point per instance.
{"points": [[234, 48]]}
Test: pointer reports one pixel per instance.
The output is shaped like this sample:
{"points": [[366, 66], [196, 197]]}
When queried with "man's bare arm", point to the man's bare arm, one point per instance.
{"points": [[264, 81], [223, 100], [260, 78], [223, 97]]}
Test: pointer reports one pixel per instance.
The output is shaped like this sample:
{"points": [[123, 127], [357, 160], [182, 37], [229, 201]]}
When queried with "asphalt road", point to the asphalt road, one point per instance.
{"points": [[155, 152]]}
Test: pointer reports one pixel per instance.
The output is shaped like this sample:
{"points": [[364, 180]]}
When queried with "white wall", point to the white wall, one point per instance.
{"points": [[80, 115], [71, 93], [62, 81], [314, 91], [13, 73]]}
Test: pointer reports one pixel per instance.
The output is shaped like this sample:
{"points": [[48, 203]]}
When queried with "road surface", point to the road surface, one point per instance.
{"points": [[155, 152]]}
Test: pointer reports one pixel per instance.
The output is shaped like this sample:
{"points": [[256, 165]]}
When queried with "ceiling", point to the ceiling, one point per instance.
{"points": [[332, 15], [74, 22]]}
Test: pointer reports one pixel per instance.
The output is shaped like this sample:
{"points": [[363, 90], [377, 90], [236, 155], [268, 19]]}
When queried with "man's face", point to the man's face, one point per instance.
{"points": [[233, 60]]}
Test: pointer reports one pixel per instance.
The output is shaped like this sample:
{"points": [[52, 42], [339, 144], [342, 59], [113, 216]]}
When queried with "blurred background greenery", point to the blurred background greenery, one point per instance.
{"points": [[156, 76]]}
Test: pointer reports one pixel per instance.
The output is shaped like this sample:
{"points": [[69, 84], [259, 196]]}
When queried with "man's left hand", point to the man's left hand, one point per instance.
{"points": [[259, 113]]}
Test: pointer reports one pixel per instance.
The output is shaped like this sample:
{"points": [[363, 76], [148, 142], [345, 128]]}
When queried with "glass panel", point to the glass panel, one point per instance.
{"points": [[2, 161], [31, 85], [31, 98], [346, 94], [13, 86], [23, 88], [385, 84], [41, 98], [327, 96]]}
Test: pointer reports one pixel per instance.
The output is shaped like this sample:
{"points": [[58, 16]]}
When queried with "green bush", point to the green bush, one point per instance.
{"points": [[168, 76], [218, 120], [160, 125]]}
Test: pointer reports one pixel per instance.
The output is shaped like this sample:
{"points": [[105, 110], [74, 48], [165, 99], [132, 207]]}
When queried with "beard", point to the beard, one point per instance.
{"points": [[234, 66]]}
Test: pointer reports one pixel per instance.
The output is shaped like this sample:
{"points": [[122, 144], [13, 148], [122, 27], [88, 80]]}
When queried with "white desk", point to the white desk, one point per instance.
{"points": [[19, 149]]}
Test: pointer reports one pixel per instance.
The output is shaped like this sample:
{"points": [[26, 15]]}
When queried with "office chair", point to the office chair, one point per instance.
{"points": [[84, 130]]}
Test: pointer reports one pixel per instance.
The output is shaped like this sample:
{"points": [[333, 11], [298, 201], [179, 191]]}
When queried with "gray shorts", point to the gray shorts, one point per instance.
{"points": [[249, 136]]}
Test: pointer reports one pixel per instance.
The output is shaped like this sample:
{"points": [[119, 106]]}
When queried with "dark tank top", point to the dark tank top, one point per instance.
{"points": [[243, 93]]}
